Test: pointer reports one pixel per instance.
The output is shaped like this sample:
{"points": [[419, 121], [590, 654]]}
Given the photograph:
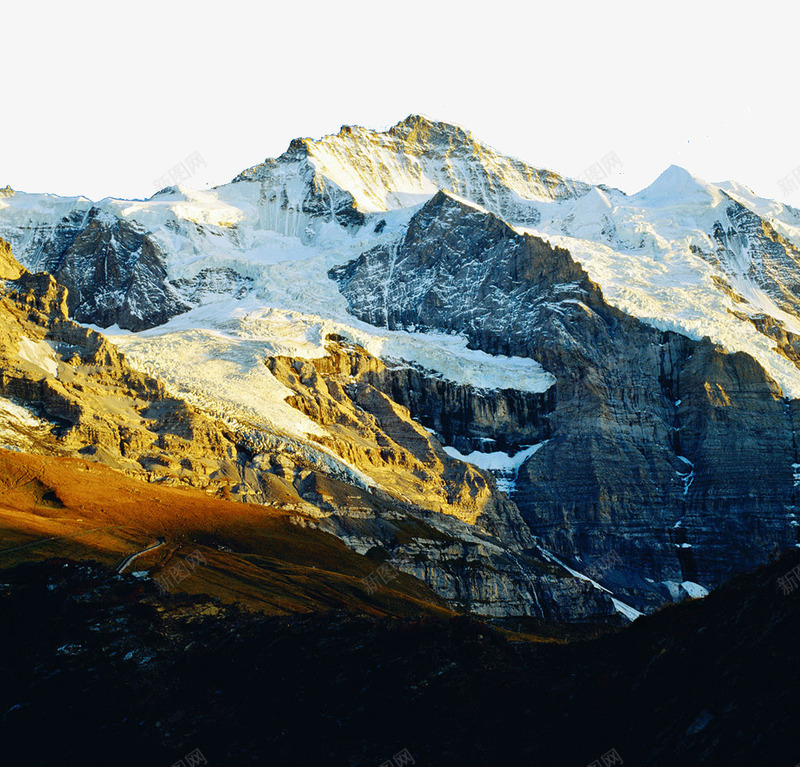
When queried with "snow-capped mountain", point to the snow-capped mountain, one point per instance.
{"points": [[675, 254], [584, 340]]}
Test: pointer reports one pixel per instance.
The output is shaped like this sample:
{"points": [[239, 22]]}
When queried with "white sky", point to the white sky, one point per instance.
{"points": [[103, 98]]}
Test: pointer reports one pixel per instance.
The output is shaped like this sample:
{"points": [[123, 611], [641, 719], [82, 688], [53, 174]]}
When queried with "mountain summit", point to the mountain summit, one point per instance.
{"points": [[676, 186], [409, 163]]}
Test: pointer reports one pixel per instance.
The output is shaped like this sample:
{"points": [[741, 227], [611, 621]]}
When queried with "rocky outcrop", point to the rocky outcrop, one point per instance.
{"points": [[668, 452], [10, 268], [211, 283], [285, 200], [787, 343], [114, 272], [747, 244], [465, 416], [467, 541], [97, 406], [380, 438]]}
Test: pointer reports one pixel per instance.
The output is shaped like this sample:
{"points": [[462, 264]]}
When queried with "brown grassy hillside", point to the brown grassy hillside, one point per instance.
{"points": [[263, 557]]}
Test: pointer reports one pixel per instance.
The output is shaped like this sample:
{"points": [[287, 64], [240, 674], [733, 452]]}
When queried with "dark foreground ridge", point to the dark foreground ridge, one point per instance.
{"points": [[100, 668]]}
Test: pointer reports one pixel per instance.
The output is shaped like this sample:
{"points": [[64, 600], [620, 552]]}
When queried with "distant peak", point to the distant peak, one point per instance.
{"points": [[676, 173], [677, 185], [297, 149], [415, 120]]}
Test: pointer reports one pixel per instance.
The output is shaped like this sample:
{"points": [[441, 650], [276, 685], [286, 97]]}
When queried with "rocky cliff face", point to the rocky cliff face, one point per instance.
{"points": [[666, 452], [10, 268], [79, 389], [465, 416], [114, 272], [747, 244], [65, 390], [498, 569], [379, 437]]}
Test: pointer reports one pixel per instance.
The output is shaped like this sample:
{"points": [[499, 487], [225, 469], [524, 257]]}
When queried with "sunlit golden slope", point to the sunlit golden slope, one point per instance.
{"points": [[263, 557]]}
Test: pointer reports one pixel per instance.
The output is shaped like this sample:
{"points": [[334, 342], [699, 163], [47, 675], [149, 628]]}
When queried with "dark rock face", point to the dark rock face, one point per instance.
{"points": [[666, 451], [114, 272], [435, 284], [466, 417]]}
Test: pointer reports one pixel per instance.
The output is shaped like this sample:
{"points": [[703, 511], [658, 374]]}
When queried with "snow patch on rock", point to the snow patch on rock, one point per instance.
{"points": [[503, 466], [40, 354]]}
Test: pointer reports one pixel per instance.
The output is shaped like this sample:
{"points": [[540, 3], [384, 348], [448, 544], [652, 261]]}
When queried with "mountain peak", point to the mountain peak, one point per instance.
{"points": [[674, 176], [406, 165], [676, 185], [422, 129], [677, 171]]}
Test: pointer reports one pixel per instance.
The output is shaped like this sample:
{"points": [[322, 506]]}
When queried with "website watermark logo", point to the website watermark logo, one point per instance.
{"points": [[399, 759], [598, 171], [790, 183], [608, 759], [194, 759], [181, 172], [381, 576], [790, 582], [180, 572]]}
